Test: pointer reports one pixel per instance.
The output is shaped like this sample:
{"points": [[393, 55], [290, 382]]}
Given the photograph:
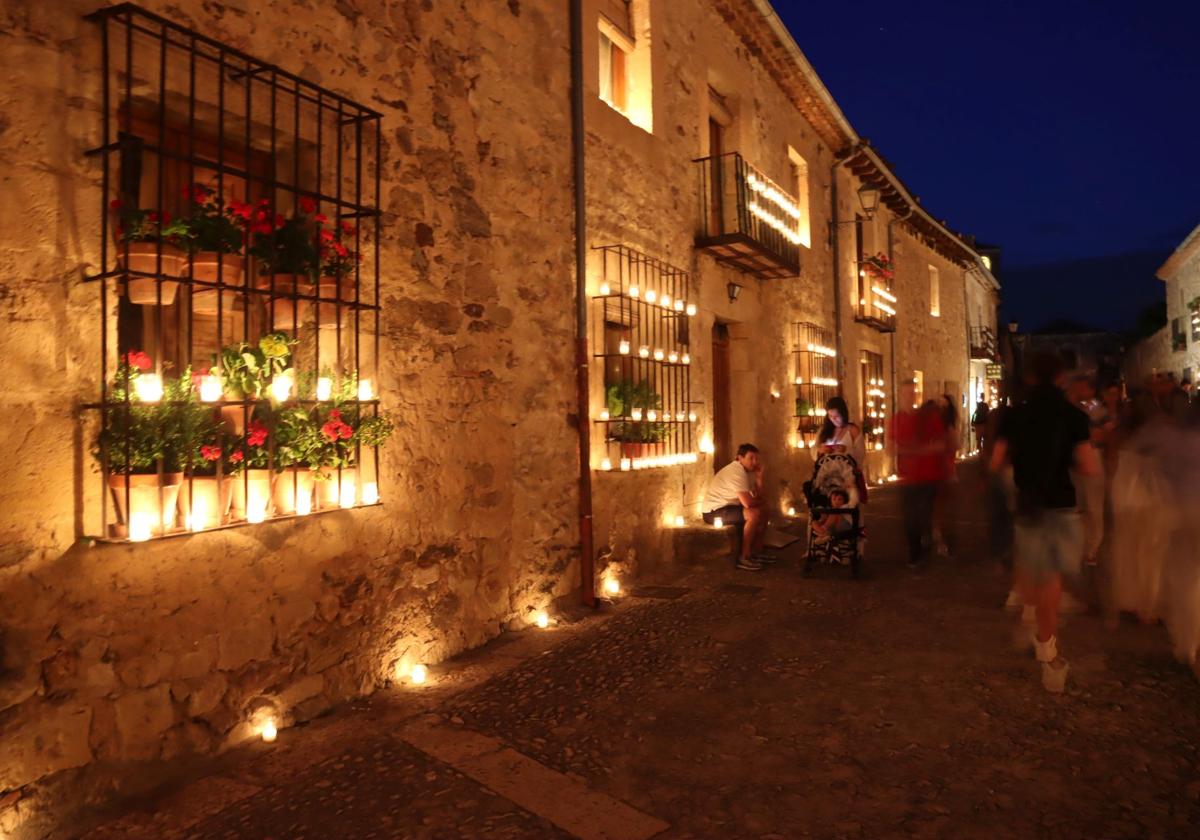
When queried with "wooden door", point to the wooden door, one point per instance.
{"points": [[722, 406]]}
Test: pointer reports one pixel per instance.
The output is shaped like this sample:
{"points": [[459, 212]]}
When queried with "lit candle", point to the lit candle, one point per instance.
{"points": [[652, 415], [680, 416], [623, 348], [256, 512], [210, 388], [691, 417], [679, 521], [604, 290], [634, 291], [791, 511], [678, 305], [419, 674], [651, 296], [775, 393], [346, 495], [370, 493], [665, 301], [636, 414], [141, 527], [281, 386], [304, 504], [324, 388], [626, 465], [542, 620], [672, 357], [644, 351], [718, 522], [269, 731], [691, 309], [878, 445], [706, 445], [658, 354], [606, 463], [198, 518], [364, 390], [604, 414], [148, 387], [686, 359], [612, 586]]}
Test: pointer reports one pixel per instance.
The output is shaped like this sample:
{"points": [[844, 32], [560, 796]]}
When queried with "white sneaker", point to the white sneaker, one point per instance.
{"points": [[1047, 651], [1054, 675]]}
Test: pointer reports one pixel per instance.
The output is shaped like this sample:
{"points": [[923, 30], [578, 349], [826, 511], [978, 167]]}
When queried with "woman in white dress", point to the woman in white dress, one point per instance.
{"points": [[838, 434]]}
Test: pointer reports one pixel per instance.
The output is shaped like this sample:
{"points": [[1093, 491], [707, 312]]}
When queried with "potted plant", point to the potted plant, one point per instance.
{"points": [[249, 464], [297, 444], [627, 399], [879, 267], [246, 372], [333, 459], [147, 243], [149, 437], [206, 494], [338, 262], [215, 236], [286, 253]]}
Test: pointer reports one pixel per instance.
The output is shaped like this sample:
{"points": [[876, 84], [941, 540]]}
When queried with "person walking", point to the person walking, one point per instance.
{"points": [[920, 445], [949, 417], [1043, 439]]}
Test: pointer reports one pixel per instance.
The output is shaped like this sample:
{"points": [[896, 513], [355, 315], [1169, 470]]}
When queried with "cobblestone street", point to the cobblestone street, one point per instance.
{"points": [[733, 704]]}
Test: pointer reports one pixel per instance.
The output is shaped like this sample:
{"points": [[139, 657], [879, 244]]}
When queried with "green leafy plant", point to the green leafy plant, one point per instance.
{"points": [[297, 439], [213, 227], [246, 371], [374, 430], [136, 224], [287, 245], [139, 436]]}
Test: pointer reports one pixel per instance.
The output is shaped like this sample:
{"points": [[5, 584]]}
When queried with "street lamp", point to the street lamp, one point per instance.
{"points": [[733, 290], [868, 197]]}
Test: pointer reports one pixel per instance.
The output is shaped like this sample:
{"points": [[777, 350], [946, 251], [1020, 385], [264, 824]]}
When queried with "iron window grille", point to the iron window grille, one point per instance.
{"points": [[746, 219], [642, 314], [192, 127], [873, 399], [814, 361]]}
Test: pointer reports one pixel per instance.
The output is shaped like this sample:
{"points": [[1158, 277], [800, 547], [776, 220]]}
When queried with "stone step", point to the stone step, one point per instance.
{"points": [[704, 543]]}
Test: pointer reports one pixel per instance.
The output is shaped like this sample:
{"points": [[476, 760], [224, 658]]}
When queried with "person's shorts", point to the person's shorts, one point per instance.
{"points": [[1047, 544], [730, 515]]}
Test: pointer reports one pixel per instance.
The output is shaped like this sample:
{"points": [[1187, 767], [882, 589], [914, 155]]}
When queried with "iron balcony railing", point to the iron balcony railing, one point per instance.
{"points": [[746, 219], [983, 344], [876, 305]]}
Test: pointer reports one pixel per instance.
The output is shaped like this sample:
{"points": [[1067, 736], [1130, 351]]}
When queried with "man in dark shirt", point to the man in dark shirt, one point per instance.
{"points": [[1043, 438]]}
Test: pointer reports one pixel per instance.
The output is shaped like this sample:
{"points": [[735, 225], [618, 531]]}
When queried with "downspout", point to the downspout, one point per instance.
{"points": [[891, 240], [587, 572], [835, 238]]}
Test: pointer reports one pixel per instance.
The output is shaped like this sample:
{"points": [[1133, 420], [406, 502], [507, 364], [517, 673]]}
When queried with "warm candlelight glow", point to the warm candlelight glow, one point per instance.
{"points": [[706, 445], [791, 511], [878, 445], [623, 348], [644, 351], [658, 354], [542, 620], [346, 495], [281, 386], [370, 493], [678, 305], [364, 390], [686, 359], [652, 415], [198, 518], [606, 463], [210, 388], [672, 357], [718, 522], [269, 731], [680, 416], [141, 527], [604, 289], [636, 414], [679, 521], [651, 296], [148, 387], [626, 464], [691, 309], [324, 388], [419, 674], [634, 291], [691, 417], [665, 301], [604, 414], [304, 504], [612, 586]]}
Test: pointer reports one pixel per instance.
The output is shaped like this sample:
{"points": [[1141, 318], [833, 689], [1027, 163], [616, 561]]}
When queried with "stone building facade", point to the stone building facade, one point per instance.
{"points": [[121, 659], [1175, 349]]}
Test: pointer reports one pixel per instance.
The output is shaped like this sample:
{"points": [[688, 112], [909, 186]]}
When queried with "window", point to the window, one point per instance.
{"points": [[1178, 336], [918, 388], [815, 377], [800, 186], [237, 291], [875, 304], [872, 398], [1194, 317], [643, 309], [935, 304], [613, 78], [624, 67]]}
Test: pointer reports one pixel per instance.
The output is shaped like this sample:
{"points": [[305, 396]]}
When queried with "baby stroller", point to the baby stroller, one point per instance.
{"points": [[842, 545]]}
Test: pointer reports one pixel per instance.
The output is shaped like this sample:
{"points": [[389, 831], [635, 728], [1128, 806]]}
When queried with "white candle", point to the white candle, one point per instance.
{"points": [[691, 309], [419, 674], [364, 390], [281, 386], [679, 521], [542, 620], [606, 463], [370, 493], [148, 387], [324, 388], [718, 522], [269, 731], [210, 388], [612, 586], [623, 348]]}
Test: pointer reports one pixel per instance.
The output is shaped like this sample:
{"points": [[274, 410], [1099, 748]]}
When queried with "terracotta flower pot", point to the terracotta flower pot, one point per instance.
{"points": [[331, 495], [205, 265], [633, 450], [333, 289], [252, 495], [233, 417], [152, 505], [143, 256], [204, 501], [293, 491], [289, 313]]}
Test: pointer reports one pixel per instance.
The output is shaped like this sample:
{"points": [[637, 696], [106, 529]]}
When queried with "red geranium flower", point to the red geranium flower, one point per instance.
{"points": [[256, 434], [236, 456], [138, 359], [307, 205], [210, 452], [320, 218], [326, 236], [347, 228], [115, 204]]}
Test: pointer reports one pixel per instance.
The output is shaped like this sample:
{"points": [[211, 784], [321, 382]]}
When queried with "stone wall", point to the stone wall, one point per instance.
{"points": [[117, 654]]}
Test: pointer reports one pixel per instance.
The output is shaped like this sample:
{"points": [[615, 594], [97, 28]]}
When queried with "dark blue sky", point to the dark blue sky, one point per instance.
{"points": [[1060, 130]]}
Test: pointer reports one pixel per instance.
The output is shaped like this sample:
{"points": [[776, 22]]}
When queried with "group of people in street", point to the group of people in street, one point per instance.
{"points": [[1094, 497]]}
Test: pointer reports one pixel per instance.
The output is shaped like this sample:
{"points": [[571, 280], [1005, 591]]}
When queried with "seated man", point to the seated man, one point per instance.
{"points": [[735, 496]]}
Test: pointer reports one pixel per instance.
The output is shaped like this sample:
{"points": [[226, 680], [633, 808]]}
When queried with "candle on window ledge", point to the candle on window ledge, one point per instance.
{"points": [[304, 504], [634, 291], [606, 464], [419, 674], [658, 354], [365, 392], [636, 414], [324, 388], [691, 417], [673, 357], [878, 445], [148, 387], [665, 301], [686, 359], [370, 493], [612, 586], [644, 351], [542, 620], [718, 522], [626, 465], [605, 290], [680, 416], [281, 386], [691, 309], [210, 388], [678, 305], [652, 415], [346, 494], [679, 521], [141, 527], [623, 348], [269, 731], [651, 296], [604, 414]]}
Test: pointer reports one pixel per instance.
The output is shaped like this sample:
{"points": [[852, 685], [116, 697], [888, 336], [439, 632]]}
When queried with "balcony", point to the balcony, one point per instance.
{"points": [[746, 219], [876, 303], [983, 344]]}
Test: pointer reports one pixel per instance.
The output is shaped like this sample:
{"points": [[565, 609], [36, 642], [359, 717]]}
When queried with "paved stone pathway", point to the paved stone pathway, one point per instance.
{"points": [[729, 704]]}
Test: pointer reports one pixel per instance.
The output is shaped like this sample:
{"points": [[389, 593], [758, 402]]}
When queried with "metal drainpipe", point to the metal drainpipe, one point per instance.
{"points": [[835, 239], [891, 240], [587, 573]]}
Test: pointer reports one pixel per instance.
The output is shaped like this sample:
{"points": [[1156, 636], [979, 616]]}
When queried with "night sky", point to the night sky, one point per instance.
{"points": [[1065, 132]]}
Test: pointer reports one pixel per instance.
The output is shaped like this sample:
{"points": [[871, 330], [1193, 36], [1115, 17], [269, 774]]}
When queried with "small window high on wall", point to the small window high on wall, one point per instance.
{"points": [[800, 185], [624, 60], [935, 303]]}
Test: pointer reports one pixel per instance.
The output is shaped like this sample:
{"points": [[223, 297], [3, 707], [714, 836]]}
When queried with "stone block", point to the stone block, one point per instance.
{"points": [[204, 694], [141, 717], [302, 689], [291, 613], [47, 739], [249, 639]]}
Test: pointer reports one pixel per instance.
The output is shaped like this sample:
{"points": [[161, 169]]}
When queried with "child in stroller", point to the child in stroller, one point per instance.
{"points": [[834, 531]]}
